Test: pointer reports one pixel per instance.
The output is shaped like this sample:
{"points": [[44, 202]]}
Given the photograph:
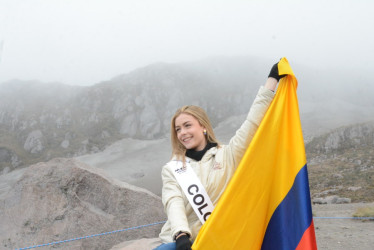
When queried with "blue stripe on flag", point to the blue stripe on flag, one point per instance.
{"points": [[292, 217]]}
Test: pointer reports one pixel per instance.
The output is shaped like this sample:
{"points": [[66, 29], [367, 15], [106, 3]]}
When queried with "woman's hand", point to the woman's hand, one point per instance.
{"points": [[274, 73], [183, 242], [273, 78]]}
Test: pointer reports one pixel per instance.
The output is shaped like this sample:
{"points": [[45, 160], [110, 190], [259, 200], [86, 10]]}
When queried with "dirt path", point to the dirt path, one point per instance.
{"points": [[342, 233]]}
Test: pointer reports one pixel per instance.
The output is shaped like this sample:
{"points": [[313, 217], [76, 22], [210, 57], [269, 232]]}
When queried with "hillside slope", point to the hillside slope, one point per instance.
{"points": [[342, 163], [64, 199], [40, 121]]}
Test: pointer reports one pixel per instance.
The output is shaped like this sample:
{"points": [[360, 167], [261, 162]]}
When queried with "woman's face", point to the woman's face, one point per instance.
{"points": [[190, 132]]}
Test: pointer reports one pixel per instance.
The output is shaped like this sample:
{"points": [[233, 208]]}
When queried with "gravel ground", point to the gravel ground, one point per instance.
{"points": [[342, 233]]}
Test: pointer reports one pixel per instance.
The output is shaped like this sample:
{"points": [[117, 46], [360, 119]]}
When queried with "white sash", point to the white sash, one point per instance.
{"points": [[193, 189]]}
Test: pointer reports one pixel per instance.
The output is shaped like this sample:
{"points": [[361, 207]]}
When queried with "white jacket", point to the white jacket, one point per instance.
{"points": [[214, 170]]}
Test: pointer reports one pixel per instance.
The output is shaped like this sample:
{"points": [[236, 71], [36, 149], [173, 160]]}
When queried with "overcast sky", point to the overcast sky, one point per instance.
{"points": [[83, 42]]}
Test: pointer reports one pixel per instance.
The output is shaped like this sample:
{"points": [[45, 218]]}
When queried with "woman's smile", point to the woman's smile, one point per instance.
{"points": [[190, 132]]}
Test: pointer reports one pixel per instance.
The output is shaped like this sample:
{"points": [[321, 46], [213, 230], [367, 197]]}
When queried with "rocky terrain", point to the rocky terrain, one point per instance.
{"points": [[342, 234], [41, 121], [64, 199], [116, 132], [341, 163]]}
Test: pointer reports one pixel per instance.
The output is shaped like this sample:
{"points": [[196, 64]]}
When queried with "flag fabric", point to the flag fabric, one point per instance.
{"points": [[267, 203]]}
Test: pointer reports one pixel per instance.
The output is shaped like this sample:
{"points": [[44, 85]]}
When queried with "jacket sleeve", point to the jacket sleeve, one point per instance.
{"points": [[239, 143], [174, 206]]}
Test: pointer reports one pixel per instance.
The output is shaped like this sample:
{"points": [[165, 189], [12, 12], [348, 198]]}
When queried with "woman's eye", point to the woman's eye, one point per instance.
{"points": [[177, 130]]}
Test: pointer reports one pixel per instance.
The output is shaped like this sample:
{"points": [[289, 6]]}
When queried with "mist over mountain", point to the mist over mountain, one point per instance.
{"points": [[40, 121]]}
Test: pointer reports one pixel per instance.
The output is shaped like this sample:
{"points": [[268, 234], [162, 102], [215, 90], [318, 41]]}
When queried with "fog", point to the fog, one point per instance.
{"points": [[85, 42]]}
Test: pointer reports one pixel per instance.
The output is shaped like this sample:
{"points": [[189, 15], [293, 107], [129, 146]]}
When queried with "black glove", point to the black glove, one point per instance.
{"points": [[183, 243], [274, 72]]}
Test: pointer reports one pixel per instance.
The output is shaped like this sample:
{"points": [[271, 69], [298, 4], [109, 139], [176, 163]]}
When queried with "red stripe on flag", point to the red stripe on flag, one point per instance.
{"points": [[308, 241]]}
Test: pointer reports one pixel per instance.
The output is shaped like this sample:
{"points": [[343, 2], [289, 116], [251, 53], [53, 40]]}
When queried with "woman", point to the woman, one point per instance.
{"points": [[194, 143]]}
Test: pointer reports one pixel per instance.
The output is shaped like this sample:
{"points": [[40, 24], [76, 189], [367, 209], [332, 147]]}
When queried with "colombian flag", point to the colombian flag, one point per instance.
{"points": [[267, 203]]}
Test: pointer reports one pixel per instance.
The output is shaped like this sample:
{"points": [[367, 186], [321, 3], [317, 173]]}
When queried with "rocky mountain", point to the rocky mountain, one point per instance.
{"points": [[341, 163], [65, 199], [41, 121]]}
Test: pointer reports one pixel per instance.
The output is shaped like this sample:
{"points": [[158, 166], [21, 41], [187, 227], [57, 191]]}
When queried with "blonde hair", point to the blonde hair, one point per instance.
{"points": [[178, 150]]}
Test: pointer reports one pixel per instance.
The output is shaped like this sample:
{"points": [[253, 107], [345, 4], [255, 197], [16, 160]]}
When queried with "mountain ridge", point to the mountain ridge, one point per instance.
{"points": [[41, 121]]}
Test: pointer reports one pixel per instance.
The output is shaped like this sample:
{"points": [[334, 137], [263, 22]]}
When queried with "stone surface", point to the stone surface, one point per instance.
{"points": [[332, 199], [64, 199], [141, 244], [34, 142], [342, 234]]}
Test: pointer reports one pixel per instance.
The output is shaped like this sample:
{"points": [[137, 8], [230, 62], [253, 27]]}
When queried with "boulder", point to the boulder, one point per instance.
{"points": [[34, 142], [353, 188], [319, 201], [66, 199], [342, 200], [333, 199]]}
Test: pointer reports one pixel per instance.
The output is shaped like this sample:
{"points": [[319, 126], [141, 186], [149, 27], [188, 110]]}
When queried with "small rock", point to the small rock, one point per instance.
{"points": [[332, 199], [343, 200], [338, 176], [319, 201], [34, 142], [353, 188], [65, 143]]}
